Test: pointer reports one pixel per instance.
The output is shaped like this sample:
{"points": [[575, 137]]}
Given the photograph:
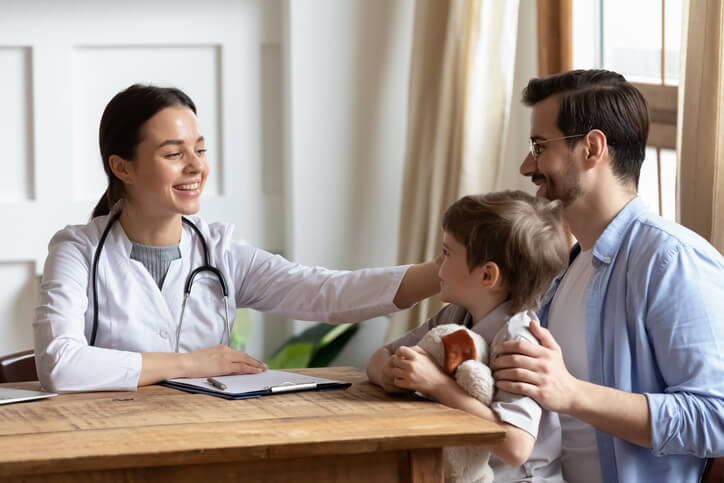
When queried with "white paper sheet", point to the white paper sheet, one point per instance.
{"points": [[246, 383]]}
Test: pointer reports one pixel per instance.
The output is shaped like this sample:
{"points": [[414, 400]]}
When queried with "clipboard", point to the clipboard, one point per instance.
{"points": [[247, 386]]}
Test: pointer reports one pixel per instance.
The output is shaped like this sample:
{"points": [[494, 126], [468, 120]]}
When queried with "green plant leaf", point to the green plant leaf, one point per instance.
{"points": [[325, 355], [317, 346], [291, 356], [336, 331], [241, 328]]}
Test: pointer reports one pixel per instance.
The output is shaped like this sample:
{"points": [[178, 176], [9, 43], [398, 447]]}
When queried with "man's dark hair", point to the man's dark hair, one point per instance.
{"points": [[603, 100]]}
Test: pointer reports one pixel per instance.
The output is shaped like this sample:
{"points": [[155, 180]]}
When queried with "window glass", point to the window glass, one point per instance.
{"points": [[673, 13], [631, 37], [625, 36], [586, 34], [649, 182], [668, 183]]}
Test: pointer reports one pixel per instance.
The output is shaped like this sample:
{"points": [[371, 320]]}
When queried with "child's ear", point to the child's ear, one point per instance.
{"points": [[490, 275], [121, 168]]}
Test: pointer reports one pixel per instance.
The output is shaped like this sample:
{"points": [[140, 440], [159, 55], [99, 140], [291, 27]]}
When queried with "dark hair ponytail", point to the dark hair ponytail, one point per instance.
{"points": [[120, 130]]}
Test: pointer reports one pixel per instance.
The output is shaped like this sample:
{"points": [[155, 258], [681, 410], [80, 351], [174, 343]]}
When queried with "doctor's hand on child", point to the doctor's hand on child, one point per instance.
{"points": [[413, 369], [220, 360]]}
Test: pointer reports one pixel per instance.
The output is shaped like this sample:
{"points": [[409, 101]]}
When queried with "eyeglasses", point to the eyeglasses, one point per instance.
{"points": [[536, 147]]}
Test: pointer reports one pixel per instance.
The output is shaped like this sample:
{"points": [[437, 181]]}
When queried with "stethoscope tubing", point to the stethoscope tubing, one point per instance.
{"points": [[206, 267]]}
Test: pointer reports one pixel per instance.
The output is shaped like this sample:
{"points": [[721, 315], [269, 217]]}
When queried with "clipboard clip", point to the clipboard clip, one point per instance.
{"points": [[291, 386]]}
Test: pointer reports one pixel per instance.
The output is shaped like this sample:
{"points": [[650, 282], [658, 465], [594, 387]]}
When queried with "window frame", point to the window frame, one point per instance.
{"points": [[555, 54]]}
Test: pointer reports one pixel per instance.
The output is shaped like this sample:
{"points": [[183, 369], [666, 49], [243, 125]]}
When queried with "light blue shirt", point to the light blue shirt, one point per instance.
{"points": [[655, 326]]}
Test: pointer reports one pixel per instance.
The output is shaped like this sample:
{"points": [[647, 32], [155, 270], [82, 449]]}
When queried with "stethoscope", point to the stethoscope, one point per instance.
{"points": [[206, 267]]}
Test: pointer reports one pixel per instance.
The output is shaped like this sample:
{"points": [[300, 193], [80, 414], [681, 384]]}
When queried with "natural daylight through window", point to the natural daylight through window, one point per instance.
{"points": [[642, 40]]}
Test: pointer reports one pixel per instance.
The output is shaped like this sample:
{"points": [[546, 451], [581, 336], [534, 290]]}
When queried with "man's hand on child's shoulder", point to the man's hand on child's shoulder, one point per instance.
{"points": [[536, 371]]}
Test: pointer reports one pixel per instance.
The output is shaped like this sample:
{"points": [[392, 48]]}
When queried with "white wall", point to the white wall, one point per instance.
{"points": [[303, 104], [310, 108], [60, 62], [347, 77], [347, 80]]}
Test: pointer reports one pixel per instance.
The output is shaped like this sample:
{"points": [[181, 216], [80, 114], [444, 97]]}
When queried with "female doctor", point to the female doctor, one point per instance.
{"points": [[136, 296]]}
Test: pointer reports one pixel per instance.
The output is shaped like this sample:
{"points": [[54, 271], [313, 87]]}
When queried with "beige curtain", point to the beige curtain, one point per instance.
{"points": [[701, 122], [460, 92]]}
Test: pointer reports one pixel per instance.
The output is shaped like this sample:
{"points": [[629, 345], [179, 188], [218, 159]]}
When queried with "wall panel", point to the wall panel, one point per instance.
{"points": [[61, 62], [99, 72], [15, 124]]}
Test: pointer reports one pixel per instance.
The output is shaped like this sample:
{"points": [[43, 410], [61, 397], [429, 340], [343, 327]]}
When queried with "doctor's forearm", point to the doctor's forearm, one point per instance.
{"points": [[159, 366], [217, 360], [419, 282]]}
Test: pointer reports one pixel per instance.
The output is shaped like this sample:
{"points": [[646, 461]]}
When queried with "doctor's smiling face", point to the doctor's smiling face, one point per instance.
{"points": [[169, 171]]}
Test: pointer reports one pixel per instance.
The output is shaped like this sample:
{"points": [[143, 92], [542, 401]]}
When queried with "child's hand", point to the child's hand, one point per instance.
{"points": [[387, 381], [412, 368]]}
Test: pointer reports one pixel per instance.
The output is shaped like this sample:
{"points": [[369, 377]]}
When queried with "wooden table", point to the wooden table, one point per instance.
{"points": [[156, 434]]}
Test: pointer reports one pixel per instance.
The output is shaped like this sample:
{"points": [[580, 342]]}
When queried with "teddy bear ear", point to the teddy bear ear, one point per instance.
{"points": [[459, 347]]}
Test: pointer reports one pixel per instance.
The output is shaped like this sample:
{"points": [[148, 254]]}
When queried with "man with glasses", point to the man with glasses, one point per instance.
{"points": [[633, 354]]}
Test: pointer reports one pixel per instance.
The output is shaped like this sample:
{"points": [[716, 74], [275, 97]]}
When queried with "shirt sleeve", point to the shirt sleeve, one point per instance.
{"points": [[685, 322], [520, 411], [64, 360], [271, 283]]}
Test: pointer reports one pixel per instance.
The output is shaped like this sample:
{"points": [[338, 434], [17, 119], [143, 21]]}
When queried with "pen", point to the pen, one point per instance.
{"points": [[216, 383]]}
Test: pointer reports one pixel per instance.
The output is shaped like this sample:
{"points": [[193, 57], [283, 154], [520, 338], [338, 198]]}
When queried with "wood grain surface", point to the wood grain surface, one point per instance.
{"points": [[161, 433]]}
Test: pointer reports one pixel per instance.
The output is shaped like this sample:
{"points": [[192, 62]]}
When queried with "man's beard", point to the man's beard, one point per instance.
{"points": [[568, 186], [568, 191]]}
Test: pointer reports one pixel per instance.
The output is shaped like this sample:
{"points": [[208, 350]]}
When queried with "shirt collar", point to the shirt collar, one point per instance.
{"points": [[489, 325], [610, 240]]}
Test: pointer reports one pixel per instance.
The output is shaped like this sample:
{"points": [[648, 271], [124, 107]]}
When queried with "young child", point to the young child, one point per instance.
{"points": [[500, 252]]}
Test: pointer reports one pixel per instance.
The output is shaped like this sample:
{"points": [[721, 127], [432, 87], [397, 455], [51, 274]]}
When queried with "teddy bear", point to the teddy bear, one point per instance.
{"points": [[463, 354]]}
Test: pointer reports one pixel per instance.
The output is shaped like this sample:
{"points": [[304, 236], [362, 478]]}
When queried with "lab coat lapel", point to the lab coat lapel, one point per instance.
{"points": [[135, 277], [173, 286]]}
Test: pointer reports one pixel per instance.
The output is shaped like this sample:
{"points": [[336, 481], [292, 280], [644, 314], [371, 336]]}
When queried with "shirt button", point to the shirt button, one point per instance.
{"points": [[163, 334]]}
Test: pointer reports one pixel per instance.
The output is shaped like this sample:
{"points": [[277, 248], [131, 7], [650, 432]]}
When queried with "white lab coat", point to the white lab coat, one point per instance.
{"points": [[134, 316]]}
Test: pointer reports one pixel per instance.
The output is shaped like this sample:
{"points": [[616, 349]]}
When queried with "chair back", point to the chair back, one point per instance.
{"points": [[714, 471], [18, 367]]}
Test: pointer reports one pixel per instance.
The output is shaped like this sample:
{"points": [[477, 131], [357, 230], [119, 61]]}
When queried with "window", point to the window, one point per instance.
{"points": [[640, 39]]}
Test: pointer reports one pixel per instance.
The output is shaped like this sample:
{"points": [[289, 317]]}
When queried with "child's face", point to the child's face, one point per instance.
{"points": [[458, 284]]}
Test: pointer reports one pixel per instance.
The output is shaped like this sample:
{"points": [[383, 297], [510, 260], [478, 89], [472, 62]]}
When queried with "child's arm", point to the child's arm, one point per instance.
{"points": [[413, 369], [379, 369]]}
